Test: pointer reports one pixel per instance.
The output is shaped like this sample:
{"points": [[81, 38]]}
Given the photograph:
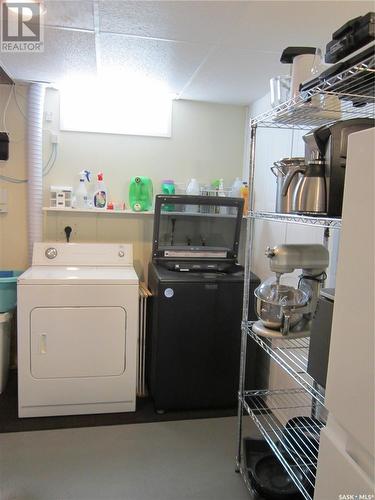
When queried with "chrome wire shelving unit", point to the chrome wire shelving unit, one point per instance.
{"points": [[297, 445], [305, 220], [292, 355], [348, 94]]}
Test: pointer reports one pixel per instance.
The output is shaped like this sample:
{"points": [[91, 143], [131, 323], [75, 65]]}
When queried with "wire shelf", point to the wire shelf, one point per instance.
{"points": [[294, 442], [292, 356], [306, 220], [346, 95], [349, 94]]}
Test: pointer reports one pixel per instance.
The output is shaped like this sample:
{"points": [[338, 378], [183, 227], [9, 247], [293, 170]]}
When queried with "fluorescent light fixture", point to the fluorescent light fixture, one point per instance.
{"points": [[133, 105]]}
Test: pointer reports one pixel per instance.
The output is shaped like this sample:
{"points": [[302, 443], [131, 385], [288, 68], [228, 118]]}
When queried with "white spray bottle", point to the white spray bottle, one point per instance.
{"points": [[81, 197]]}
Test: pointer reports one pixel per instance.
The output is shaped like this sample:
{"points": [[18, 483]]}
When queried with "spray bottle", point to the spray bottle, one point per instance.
{"points": [[81, 198], [100, 195]]}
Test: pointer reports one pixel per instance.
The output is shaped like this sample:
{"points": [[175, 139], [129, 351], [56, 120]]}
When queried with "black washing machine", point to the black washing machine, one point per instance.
{"points": [[194, 339]]}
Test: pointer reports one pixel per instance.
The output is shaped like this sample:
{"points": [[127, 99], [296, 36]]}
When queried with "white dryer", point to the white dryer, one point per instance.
{"points": [[77, 330]]}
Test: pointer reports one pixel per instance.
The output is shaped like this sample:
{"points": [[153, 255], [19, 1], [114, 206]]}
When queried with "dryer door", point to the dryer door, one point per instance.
{"points": [[71, 342]]}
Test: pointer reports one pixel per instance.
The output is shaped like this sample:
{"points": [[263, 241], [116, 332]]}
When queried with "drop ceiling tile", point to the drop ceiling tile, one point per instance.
{"points": [[235, 76], [239, 71], [227, 51], [171, 63], [274, 25], [70, 14], [179, 20], [67, 54]]}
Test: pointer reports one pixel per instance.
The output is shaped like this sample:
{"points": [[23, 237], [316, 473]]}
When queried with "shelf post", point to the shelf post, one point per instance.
{"points": [[245, 314]]}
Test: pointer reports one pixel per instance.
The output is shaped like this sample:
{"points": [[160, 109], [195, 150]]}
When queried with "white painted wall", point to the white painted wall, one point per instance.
{"points": [[13, 225], [207, 143]]}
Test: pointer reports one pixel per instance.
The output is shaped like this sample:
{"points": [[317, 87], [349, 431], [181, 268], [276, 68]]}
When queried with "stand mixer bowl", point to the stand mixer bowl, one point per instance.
{"points": [[272, 298]]}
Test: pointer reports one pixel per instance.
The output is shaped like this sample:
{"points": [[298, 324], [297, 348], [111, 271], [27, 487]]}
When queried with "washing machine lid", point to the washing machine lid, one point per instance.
{"points": [[78, 275]]}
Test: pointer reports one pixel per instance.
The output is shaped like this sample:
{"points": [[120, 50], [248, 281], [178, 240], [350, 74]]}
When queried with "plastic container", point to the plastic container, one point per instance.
{"points": [[192, 189], [100, 195], [168, 187], [5, 320], [280, 90], [61, 196], [245, 196], [235, 190], [140, 194], [221, 193], [8, 290]]}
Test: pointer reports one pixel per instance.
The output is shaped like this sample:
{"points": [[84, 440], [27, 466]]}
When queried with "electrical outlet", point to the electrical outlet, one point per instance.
{"points": [[62, 224]]}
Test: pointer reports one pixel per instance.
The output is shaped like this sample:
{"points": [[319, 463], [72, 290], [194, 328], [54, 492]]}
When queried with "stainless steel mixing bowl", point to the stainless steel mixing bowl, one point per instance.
{"points": [[272, 297]]}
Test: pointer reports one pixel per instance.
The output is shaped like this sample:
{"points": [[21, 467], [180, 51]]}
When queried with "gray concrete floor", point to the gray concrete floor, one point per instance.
{"points": [[184, 460]]}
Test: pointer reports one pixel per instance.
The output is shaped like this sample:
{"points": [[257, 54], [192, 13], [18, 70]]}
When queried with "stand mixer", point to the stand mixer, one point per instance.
{"points": [[285, 310]]}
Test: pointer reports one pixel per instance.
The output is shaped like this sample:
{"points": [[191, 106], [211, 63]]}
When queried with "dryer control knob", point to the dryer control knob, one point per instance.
{"points": [[121, 253], [51, 253]]}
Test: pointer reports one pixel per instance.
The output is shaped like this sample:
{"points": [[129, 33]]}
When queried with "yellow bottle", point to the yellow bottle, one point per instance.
{"points": [[245, 195]]}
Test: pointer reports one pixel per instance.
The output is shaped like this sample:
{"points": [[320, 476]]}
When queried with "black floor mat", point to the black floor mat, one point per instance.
{"points": [[9, 421]]}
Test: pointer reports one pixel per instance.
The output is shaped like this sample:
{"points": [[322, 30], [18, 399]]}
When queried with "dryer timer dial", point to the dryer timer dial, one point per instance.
{"points": [[51, 253]]}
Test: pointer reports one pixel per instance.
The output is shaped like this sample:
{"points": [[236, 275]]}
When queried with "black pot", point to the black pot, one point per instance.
{"points": [[272, 482], [301, 438]]}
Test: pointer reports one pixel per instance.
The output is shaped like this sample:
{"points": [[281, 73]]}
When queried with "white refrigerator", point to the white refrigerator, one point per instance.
{"points": [[346, 455]]}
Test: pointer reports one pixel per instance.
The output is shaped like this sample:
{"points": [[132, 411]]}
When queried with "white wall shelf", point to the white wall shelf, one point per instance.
{"points": [[96, 211], [131, 212]]}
